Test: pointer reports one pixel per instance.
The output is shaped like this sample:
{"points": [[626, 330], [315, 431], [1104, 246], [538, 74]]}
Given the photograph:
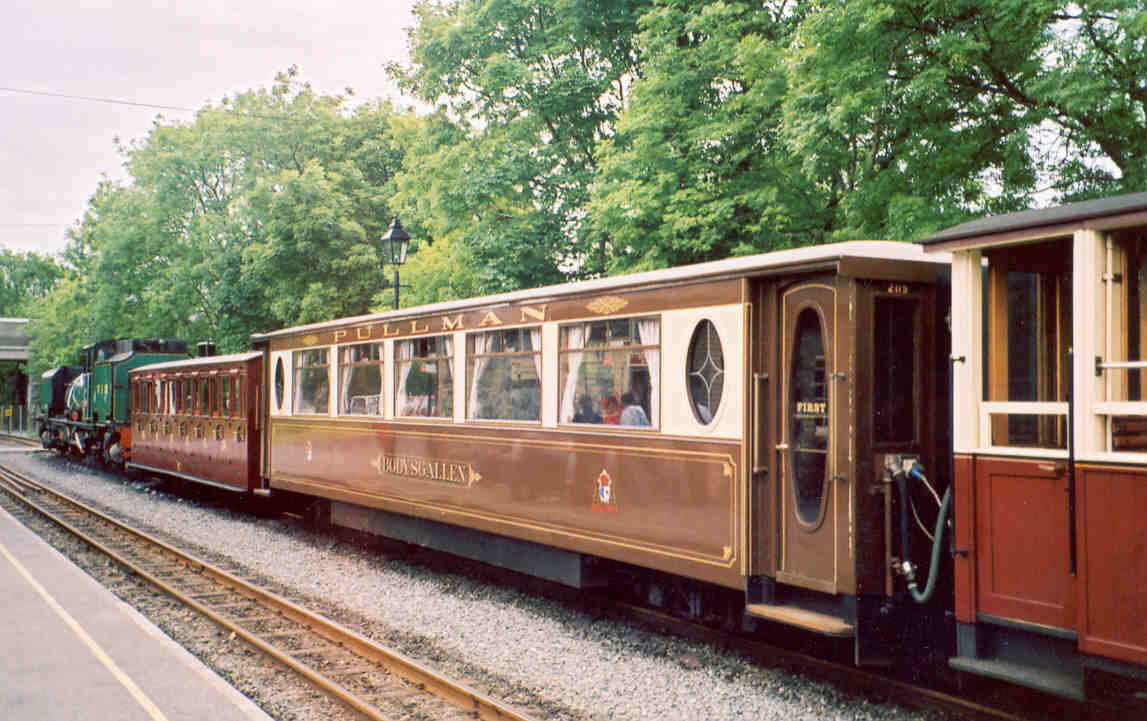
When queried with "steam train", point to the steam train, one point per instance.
{"points": [[857, 439]]}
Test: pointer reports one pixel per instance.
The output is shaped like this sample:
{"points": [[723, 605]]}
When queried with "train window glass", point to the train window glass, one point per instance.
{"points": [[808, 417], [705, 371], [240, 402], [1029, 332], [188, 397], [610, 372], [424, 379], [503, 375], [280, 384], [895, 392], [205, 386], [360, 379], [312, 381], [228, 407], [1128, 342], [808, 413]]}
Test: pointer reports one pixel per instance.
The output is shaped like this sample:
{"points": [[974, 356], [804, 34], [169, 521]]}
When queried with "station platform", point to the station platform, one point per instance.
{"points": [[70, 650]]}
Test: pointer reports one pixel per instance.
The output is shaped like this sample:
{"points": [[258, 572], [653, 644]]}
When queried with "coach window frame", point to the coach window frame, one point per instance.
{"points": [[571, 345], [478, 366]]}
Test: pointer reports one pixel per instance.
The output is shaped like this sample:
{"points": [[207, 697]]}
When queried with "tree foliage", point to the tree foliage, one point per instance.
{"points": [[264, 211]]}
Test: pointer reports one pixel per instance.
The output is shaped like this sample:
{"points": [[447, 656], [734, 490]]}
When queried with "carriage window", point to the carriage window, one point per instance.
{"points": [[360, 379], [705, 371], [1029, 334], [204, 385], [610, 372], [425, 385], [808, 413], [225, 388], [1128, 342], [896, 347], [188, 397], [312, 381], [280, 384], [503, 370]]}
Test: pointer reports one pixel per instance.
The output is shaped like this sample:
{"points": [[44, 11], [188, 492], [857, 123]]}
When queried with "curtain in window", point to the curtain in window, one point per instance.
{"points": [[404, 351], [536, 346], [481, 345], [575, 338], [345, 373], [649, 330]]}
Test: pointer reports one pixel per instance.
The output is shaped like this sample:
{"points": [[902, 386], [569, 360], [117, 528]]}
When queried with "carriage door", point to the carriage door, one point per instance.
{"points": [[809, 497]]}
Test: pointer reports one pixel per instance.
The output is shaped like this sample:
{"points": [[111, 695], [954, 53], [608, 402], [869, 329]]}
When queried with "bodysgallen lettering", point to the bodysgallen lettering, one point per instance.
{"points": [[413, 467]]}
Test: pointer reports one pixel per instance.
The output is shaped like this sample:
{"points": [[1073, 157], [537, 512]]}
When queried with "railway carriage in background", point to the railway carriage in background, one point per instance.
{"points": [[1049, 339], [200, 419], [727, 425]]}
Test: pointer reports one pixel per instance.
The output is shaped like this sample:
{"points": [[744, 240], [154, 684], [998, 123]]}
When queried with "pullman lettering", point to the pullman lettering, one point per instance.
{"points": [[441, 324]]}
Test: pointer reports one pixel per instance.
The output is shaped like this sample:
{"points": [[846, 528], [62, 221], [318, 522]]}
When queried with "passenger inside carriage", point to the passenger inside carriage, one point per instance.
{"points": [[632, 414]]}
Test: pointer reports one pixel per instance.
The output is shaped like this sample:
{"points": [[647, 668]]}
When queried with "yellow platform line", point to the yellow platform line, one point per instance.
{"points": [[104, 658]]}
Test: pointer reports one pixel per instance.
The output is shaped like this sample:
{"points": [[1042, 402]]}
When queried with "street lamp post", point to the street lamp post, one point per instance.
{"points": [[395, 242]]}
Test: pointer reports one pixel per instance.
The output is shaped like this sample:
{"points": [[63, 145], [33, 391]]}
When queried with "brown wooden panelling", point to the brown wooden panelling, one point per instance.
{"points": [[198, 451], [585, 307], [673, 502], [1022, 558], [964, 533], [764, 532], [1112, 523]]}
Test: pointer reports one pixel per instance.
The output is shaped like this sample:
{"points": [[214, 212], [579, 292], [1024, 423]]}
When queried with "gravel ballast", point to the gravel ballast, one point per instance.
{"points": [[552, 661]]}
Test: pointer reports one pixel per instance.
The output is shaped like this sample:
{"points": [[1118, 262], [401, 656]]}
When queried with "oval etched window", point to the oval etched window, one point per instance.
{"points": [[808, 413], [705, 371], [280, 384]]}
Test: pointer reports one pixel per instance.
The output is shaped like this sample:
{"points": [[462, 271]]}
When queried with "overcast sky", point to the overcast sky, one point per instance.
{"points": [[54, 150]]}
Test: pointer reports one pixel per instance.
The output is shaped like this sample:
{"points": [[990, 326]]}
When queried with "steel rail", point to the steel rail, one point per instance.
{"points": [[399, 665]]}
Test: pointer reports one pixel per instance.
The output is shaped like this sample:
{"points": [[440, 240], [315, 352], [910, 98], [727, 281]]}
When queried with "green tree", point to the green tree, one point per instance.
{"points": [[698, 169], [532, 87]]}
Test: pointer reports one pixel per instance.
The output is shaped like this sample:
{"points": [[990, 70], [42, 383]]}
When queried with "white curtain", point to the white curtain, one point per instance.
{"points": [[536, 346], [448, 349], [481, 345], [575, 338], [649, 330], [403, 351], [346, 370]]}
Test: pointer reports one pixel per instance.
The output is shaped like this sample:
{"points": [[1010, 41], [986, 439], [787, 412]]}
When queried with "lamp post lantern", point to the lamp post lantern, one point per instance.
{"points": [[395, 242]]}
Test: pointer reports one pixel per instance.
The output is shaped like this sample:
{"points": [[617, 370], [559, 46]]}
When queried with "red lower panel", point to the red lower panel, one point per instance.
{"points": [[965, 525], [1023, 557], [1112, 522]]}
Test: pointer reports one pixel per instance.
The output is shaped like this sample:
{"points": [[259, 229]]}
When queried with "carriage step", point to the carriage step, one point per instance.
{"points": [[1059, 682], [822, 623]]}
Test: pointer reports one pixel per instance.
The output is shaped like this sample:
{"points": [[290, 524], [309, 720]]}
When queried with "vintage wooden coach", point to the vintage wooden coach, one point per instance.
{"points": [[724, 422], [200, 419], [1049, 336]]}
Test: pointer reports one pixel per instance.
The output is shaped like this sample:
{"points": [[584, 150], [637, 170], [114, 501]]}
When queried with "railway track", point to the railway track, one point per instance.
{"points": [[376, 683]]}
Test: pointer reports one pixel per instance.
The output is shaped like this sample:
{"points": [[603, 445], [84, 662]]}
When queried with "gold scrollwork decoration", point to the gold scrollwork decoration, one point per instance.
{"points": [[310, 339], [607, 304]]}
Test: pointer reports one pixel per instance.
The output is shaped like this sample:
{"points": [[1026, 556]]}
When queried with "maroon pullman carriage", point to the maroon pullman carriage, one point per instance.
{"points": [[725, 423], [199, 419]]}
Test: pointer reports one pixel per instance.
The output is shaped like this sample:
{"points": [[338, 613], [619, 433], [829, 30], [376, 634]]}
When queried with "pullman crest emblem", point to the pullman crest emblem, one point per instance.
{"points": [[605, 498]]}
